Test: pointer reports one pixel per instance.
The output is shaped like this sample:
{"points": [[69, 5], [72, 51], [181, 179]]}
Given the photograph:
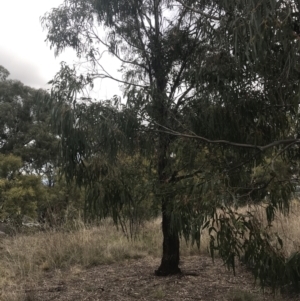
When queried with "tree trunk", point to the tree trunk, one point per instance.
{"points": [[170, 258]]}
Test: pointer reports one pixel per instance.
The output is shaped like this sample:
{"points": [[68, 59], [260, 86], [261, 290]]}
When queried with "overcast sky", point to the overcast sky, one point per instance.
{"points": [[24, 52]]}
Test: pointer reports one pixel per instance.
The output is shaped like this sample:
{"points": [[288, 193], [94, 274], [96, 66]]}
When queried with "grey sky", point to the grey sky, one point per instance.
{"points": [[24, 52]]}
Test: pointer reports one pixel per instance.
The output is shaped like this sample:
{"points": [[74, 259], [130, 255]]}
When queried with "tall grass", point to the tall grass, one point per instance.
{"points": [[25, 258], [287, 226]]}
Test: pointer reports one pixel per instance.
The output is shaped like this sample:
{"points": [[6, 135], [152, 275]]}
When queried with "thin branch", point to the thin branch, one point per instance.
{"points": [[226, 142], [252, 189], [177, 80], [107, 75], [141, 24], [175, 179], [118, 57], [242, 163], [199, 12], [181, 100], [102, 76], [281, 152]]}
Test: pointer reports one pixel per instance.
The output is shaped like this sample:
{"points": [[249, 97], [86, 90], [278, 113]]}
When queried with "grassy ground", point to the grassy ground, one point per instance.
{"points": [[26, 259]]}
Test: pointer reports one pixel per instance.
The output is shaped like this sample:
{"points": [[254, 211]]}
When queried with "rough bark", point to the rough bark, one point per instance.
{"points": [[170, 258]]}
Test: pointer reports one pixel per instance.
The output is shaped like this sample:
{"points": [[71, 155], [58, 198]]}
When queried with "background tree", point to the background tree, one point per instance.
{"points": [[24, 126], [29, 159], [19, 194], [211, 88]]}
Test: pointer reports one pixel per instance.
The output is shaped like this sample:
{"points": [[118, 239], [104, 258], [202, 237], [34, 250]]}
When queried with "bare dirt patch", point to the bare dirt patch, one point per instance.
{"points": [[134, 280]]}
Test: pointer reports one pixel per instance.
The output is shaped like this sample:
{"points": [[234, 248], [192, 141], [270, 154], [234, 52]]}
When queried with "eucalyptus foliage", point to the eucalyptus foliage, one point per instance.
{"points": [[19, 194], [24, 126], [212, 100]]}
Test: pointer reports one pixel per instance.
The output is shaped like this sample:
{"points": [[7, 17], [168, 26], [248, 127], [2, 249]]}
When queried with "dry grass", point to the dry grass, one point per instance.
{"points": [[240, 295], [287, 226], [25, 258]]}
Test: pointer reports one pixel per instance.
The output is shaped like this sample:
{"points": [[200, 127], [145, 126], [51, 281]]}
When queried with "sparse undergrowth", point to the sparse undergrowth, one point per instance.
{"points": [[28, 258]]}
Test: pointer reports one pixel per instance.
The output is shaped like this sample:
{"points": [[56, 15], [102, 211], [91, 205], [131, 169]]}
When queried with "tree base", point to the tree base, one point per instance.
{"points": [[163, 272]]}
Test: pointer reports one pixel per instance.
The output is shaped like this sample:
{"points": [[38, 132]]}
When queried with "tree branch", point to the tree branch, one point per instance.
{"points": [[118, 57], [180, 100], [199, 12], [226, 142], [174, 178], [95, 75]]}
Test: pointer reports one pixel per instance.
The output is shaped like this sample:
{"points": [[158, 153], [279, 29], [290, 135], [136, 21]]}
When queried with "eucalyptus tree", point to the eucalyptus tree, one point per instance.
{"points": [[211, 89], [24, 126], [20, 195]]}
